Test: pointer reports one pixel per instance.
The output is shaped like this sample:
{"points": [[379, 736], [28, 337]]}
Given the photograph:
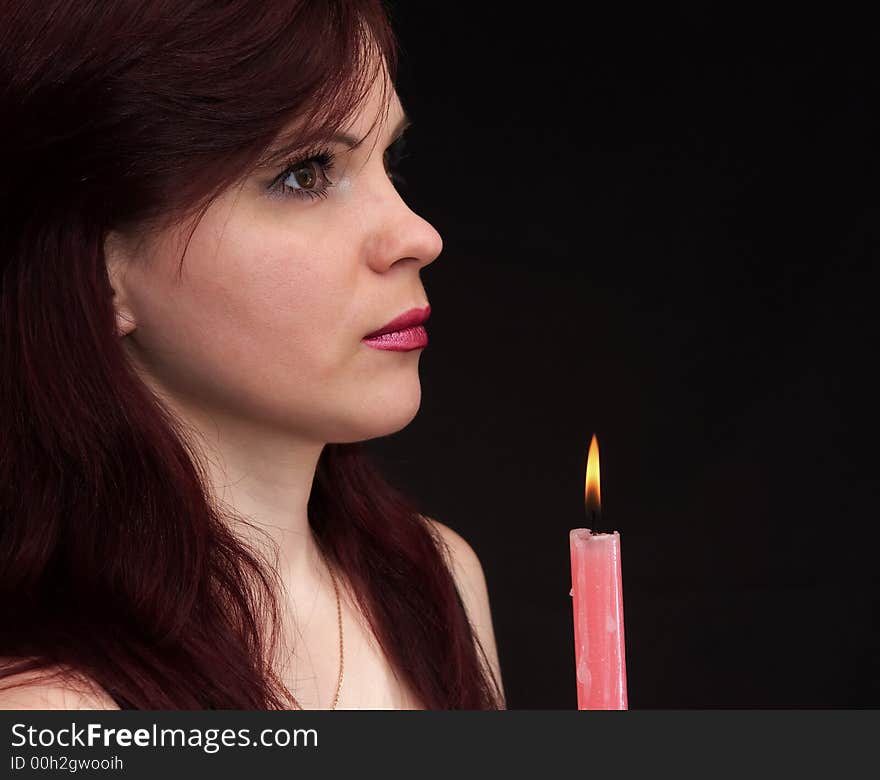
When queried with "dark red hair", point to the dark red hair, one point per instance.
{"points": [[114, 560]]}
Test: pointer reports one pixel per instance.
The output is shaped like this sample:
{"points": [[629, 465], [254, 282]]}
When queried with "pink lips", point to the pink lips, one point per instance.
{"points": [[403, 333]]}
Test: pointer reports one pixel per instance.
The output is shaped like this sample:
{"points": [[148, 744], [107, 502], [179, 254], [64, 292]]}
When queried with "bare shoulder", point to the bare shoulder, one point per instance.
{"points": [[462, 555], [471, 582], [48, 689]]}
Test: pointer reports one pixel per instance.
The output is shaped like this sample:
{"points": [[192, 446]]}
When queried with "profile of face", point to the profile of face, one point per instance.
{"points": [[280, 283]]}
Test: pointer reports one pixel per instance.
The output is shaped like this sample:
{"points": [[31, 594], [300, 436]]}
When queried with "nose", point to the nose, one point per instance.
{"points": [[402, 234]]}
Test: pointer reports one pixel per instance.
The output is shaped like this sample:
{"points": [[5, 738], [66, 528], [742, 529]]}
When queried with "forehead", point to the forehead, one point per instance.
{"points": [[381, 105], [376, 115]]}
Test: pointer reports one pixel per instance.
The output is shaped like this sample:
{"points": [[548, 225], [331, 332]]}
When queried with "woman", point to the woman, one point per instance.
{"points": [[200, 228]]}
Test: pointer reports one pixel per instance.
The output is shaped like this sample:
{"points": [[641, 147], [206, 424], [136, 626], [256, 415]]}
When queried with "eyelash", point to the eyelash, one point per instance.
{"points": [[324, 159]]}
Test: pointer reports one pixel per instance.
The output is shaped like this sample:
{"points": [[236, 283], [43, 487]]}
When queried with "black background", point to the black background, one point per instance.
{"points": [[659, 226]]}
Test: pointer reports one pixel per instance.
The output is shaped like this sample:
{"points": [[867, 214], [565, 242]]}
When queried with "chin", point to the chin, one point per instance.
{"points": [[380, 415]]}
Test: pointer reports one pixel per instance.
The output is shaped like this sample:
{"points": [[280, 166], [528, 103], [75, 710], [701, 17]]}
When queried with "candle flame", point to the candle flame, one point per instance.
{"points": [[591, 489]]}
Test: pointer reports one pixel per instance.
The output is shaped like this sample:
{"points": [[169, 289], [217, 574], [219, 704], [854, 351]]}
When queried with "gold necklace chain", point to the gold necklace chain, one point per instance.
{"points": [[341, 646]]}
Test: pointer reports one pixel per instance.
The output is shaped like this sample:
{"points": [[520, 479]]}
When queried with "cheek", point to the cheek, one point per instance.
{"points": [[253, 322]]}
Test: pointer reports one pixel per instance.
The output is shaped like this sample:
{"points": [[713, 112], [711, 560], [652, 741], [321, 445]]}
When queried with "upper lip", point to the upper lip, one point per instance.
{"points": [[406, 320]]}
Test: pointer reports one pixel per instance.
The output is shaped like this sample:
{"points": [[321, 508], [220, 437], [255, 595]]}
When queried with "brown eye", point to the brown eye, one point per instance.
{"points": [[393, 155], [305, 176]]}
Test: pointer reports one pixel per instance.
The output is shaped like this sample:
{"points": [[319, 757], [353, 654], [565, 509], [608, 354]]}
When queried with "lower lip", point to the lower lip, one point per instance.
{"points": [[400, 340]]}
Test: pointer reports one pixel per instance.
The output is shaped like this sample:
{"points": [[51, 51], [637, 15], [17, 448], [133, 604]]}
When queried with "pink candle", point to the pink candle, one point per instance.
{"points": [[597, 593]]}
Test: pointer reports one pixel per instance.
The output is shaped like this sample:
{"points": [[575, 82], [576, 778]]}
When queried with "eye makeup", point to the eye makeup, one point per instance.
{"points": [[317, 164]]}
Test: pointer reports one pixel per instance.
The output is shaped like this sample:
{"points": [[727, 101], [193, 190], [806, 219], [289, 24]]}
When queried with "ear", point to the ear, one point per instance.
{"points": [[116, 258]]}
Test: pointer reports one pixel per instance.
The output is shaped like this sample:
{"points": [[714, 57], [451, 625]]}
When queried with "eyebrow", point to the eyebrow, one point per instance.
{"points": [[276, 155], [353, 143]]}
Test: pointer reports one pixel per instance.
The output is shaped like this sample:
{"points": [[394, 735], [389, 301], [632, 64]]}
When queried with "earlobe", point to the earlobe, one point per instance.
{"points": [[125, 322], [115, 263]]}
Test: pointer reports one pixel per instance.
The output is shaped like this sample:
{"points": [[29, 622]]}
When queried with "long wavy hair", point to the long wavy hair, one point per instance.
{"points": [[115, 561]]}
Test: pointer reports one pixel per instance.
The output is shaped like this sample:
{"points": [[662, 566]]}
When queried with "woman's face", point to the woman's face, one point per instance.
{"points": [[265, 323]]}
